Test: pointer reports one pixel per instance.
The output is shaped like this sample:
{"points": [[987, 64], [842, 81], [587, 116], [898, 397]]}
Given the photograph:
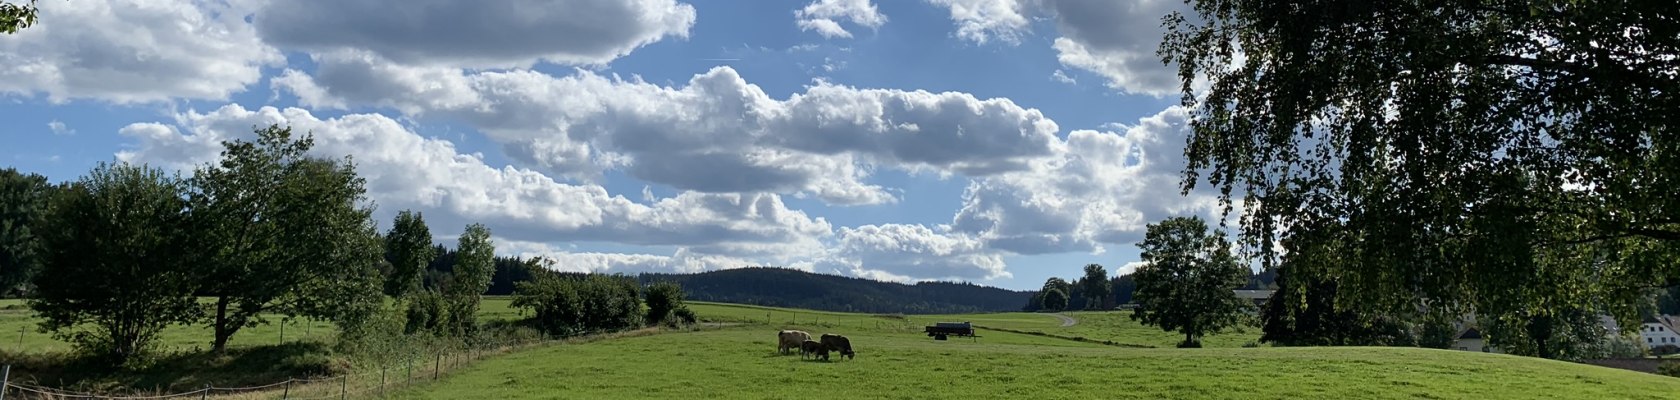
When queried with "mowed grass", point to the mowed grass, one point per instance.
{"points": [[740, 362]]}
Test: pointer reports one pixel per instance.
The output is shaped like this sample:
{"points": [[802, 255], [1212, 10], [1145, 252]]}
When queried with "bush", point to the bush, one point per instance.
{"points": [[685, 316], [566, 306], [1251, 344], [1663, 350], [663, 298], [1671, 368]]}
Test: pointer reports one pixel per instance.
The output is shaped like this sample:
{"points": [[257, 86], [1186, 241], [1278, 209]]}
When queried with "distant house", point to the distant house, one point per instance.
{"points": [[1659, 331], [1471, 340], [1259, 297]]}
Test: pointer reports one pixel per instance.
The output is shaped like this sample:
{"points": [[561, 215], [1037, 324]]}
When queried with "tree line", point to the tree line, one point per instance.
{"points": [[782, 287], [107, 261]]}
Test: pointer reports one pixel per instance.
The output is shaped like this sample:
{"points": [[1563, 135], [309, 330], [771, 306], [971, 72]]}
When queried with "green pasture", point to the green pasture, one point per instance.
{"points": [[741, 362]]}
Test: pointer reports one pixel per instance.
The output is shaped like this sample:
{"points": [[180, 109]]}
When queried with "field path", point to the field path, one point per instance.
{"points": [[1066, 320]]}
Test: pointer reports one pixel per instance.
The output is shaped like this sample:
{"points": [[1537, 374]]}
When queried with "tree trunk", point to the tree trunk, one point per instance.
{"points": [[223, 331], [1540, 330]]}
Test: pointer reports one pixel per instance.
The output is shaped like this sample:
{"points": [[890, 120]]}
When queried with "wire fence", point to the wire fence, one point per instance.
{"points": [[430, 367]]}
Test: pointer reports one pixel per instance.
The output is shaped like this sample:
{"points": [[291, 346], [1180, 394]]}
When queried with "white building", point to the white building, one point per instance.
{"points": [[1472, 340], [1659, 331]]}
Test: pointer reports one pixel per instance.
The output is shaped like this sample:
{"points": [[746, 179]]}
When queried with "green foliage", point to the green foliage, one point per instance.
{"points": [[1054, 300], [1188, 279], [1096, 286], [1515, 159], [116, 269], [14, 17], [1570, 335], [1437, 333], [283, 232], [685, 316], [428, 312], [567, 306], [1304, 311], [663, 298], [1670, 368], [23, 202], [408, 247], [474, 267]]}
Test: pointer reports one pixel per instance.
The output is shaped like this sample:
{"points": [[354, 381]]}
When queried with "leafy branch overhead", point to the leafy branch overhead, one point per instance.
{"points": [[1516, 159]]}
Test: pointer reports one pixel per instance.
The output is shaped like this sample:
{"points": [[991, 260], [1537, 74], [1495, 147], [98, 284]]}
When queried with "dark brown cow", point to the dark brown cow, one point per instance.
{"points": [[839, 343], [813, 348]]}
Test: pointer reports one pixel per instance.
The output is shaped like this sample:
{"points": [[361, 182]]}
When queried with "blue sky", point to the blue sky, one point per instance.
{"points": [[992, 141]]}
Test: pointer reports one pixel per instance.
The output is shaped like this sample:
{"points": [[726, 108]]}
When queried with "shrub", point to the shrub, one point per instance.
{"points": [[685, 316], [1671, 368], [663, 298], [1251, 344], [566, 306]]}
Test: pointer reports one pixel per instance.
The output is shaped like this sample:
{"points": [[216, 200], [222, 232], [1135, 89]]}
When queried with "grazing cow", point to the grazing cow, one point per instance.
{"points": [[839, 343], [789, 340], [813, 348]]}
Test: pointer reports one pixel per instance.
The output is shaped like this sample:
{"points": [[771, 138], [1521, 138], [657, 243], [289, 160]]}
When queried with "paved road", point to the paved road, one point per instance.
{"points": [[1066, 320]]}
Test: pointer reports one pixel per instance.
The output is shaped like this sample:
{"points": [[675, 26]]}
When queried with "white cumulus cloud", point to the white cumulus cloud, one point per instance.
{"points": [[718, 133], [823, 16], [981, 21], [407, 171], [135, 51]]}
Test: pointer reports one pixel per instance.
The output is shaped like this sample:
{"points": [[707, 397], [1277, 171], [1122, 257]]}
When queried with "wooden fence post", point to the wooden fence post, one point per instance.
{"points": [[436, 366], [283, 395], [343, 387], [205, 394], [5, 380], [382, 371]]}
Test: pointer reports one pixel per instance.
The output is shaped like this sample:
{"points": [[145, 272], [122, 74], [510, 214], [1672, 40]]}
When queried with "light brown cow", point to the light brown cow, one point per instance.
{"points": [[813, 348], [789, 340], [839, 343]]}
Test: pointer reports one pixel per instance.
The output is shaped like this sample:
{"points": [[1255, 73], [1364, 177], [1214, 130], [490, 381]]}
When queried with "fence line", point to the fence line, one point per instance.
{"points": [[430, 368]]}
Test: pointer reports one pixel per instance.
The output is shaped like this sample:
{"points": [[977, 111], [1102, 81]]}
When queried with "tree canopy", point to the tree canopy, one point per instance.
{"points": [[408, 246], [23, 202], [1515, 158], [282, 232], [116, 269], [1187, 281]]}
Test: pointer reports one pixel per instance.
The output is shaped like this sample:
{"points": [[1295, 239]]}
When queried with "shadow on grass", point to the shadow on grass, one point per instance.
{"points": [[176, 371]]}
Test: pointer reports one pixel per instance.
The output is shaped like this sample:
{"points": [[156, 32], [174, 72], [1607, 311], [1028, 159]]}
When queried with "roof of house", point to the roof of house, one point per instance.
{"points": [[1471, 333], [1254, 294]]}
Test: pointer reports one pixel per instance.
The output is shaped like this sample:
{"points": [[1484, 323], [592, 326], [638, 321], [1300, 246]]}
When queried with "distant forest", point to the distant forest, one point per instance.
{"points": [[781, 287]]}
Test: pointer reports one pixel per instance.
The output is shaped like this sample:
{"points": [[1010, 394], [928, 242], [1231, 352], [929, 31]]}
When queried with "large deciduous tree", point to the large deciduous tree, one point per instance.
{"points": [[1517, 159], [23, 202], [116, 267], [1096, 286], [408, 247], [283, 232], [1188, 280]]}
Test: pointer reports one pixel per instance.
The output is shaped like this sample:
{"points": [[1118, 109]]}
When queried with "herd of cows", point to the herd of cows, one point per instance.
{"points": [[789, 340]]}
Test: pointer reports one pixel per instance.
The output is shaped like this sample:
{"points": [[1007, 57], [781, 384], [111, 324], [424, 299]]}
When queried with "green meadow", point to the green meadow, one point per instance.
{"points": [[732, 355], [735, 357]]}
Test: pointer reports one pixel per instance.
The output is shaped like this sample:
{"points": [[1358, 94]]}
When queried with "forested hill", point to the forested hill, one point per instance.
{"points": [[781, 287]]}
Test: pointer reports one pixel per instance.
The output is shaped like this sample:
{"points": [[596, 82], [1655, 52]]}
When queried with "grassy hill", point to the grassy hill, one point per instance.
{"points": [[895, 360]]}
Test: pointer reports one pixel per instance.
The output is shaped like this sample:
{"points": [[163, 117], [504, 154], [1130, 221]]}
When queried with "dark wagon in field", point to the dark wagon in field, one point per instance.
{"points": [[942, 330]]}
